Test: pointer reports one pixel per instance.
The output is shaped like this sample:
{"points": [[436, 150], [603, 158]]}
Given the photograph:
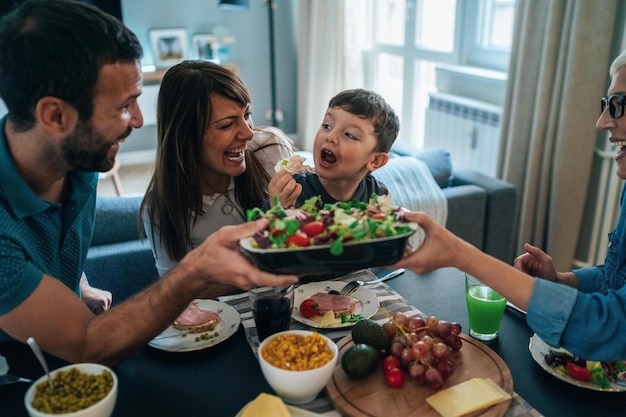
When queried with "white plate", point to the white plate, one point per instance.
{"points": [[538, 349], [293, 411], [367, 307], [227, 326]]}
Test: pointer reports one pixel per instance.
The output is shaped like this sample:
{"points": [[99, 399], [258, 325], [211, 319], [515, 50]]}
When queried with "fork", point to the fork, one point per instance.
{"points": [[350, 287], [11, 379]]}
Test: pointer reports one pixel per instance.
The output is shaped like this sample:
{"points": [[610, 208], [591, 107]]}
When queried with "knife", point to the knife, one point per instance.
{"points": [[388, 276], [172, 334], [514, 307]]}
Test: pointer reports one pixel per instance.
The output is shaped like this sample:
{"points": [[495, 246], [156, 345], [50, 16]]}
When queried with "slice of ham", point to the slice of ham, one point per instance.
{"points": [[196, 319], [338, 304]]}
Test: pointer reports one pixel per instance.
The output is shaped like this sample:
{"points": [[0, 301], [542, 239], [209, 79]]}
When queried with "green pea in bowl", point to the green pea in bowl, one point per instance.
{"points": [[96, 384]]}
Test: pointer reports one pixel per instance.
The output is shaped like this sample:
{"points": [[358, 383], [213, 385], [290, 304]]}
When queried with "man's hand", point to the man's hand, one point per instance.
{"points": [[97, 300], [219, 260]]}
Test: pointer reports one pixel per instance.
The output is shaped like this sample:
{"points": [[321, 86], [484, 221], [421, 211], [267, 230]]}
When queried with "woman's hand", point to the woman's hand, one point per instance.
{"points": [[285, 187], [536, 263], [440, 247]]}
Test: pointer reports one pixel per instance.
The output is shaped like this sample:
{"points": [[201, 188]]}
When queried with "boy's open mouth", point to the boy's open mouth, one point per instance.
{"points": [[328, 157]]}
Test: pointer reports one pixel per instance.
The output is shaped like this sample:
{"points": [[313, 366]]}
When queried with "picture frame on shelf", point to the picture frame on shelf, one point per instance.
{"points": [[169, 46], [206, 46]]}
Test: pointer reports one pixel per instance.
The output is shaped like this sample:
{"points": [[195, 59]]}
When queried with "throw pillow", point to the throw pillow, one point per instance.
{"points": [[436, 159]]}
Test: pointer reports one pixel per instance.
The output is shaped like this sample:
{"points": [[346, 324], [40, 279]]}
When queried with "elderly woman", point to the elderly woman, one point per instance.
{"points": [[584, 310]]}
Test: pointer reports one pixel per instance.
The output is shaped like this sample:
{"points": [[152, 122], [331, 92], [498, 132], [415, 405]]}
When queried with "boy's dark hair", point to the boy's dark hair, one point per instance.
{"points": [[370, 105], [57, 48]]}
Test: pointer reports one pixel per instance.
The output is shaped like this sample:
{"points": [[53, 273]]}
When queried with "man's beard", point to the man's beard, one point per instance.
{"points": [[86, 149]]}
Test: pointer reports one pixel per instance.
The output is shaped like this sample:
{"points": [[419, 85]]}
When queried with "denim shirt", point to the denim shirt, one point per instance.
{"points": [[590, 322]]}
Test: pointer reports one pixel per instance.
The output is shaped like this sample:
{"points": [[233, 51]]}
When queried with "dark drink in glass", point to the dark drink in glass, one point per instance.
{"points": [[271, 308], [271, 315]]}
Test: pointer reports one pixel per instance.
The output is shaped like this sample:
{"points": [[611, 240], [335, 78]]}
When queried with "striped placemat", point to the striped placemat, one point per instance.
{"points": [[389, 300]]}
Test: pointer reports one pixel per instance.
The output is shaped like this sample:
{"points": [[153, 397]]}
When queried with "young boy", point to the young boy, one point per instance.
{"points": [[354, 139]]}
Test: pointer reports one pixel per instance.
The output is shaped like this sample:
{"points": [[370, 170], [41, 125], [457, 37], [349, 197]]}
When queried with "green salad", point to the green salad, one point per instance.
{"points": [[335, 224]]}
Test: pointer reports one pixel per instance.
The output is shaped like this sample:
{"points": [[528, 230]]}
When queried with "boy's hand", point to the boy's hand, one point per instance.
{"points": [[285, 187]]}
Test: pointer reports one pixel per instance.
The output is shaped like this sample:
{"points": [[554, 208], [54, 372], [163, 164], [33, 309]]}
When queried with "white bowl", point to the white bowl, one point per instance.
{"points": [[103, 408], [298, 387]]}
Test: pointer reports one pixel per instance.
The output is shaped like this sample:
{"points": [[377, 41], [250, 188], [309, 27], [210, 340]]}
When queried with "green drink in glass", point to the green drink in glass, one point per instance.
{"points": [[485, 309]]}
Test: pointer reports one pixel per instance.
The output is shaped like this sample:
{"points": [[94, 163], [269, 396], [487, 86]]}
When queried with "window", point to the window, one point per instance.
{"points": [[410, 37]]}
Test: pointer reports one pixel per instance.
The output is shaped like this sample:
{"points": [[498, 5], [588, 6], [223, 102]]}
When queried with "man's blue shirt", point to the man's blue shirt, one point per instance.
{"points": [[38, 237]]}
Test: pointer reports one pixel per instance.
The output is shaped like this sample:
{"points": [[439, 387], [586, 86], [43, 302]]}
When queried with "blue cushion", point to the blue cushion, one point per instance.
{"points": [[436, 159]]}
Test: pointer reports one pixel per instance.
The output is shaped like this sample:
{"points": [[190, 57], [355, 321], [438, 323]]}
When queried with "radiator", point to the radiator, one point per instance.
{"points": [[468, 129]]}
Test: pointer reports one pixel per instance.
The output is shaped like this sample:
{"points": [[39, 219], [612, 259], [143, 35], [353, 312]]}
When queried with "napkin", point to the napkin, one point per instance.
{"points": [[467, 397]]}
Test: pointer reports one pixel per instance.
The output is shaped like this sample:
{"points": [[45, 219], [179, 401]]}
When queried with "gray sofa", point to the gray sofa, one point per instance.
{"points": [[481, 210]]}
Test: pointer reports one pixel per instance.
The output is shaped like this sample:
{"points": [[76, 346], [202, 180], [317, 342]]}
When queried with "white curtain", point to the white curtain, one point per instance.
{"points": [[558, 72], [329, 59]]}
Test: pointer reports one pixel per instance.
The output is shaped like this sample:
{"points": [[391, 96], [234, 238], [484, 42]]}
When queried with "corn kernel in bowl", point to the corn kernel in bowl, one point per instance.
{"points": [[295, 352], [297, 364]]}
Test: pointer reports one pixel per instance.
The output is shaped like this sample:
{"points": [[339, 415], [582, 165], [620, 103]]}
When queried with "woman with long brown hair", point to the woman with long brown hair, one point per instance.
{"points": [[211, 165]]}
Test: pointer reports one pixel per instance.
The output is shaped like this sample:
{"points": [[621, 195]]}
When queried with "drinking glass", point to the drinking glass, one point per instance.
{"points": [[485, 309], [271, 308]]}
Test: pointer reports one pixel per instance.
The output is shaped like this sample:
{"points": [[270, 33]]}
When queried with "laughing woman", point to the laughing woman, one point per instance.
{"points": [[211, 164]]}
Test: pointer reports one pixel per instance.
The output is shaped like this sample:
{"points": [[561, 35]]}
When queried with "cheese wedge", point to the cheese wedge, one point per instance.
{"points": [[329, 319], [467, 397], [266, 405]]}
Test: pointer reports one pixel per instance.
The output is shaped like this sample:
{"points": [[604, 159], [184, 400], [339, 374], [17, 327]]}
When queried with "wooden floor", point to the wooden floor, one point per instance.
{"points": [[134, 179]]}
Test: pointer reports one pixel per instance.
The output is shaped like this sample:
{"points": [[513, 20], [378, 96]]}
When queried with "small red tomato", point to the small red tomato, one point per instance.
{"points": [[298, 239], [378, 216], [313, 228], [578, 372], [394, 378], [390, 362], [308, 308], [277, 232]]}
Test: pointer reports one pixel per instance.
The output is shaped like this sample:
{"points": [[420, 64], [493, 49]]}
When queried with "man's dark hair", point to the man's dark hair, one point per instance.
{"points": [[57, 48]]}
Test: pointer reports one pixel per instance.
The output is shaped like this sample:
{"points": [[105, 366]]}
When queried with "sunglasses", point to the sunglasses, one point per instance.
{"points": [[615, 103]]}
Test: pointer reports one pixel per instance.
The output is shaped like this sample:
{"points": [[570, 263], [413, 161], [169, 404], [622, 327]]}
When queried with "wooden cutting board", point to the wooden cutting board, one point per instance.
{"points": [[371, 397]]}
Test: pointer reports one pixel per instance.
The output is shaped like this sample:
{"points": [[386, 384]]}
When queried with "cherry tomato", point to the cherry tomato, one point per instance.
{"points": [[578, 372], [308, 308], [298, 239], [394, 378], [277, 232], [378, 216], [390, 362], [313, 228]]}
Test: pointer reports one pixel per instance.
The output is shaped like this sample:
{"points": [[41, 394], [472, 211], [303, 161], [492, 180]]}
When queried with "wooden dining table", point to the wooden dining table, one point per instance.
{"points": [[222, 379]]}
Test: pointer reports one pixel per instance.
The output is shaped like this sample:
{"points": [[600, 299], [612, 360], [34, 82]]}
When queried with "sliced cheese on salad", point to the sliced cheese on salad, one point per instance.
{"points": [[467, 397]]}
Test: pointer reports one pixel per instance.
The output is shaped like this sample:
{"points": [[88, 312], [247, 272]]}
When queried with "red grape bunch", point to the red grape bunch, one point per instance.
{"points": [[422, 347]]}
